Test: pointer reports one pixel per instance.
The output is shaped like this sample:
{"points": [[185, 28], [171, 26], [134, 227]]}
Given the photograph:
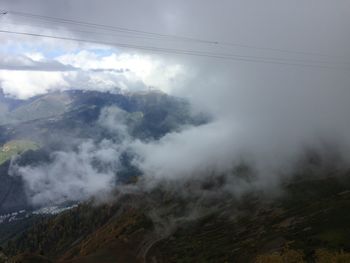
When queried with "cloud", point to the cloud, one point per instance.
{"points": [[32, 62], [263, 116], [199, 150], [32, 74], [151, 71], [264, 113], [77, 174], [267, 123], [24, 84], [71, 176]]}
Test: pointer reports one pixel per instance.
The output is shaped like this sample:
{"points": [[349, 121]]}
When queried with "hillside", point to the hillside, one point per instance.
{"points": [[14, 147], [310, 215], [197, 220], [61, 120], [73, 113], [165, 131]]}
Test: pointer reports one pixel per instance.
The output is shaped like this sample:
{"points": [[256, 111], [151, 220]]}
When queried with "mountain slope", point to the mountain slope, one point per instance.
{"points": [[74, 113], [236, 231], [195, 221], [61, 120]]}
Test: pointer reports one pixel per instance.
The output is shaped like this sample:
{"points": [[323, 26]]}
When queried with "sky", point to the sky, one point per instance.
{"points": [[274, 75], [31, 66], [311, 27]]}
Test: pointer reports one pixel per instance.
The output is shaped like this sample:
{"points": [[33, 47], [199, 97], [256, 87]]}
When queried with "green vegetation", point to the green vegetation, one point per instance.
{"points": [[296, 256], [286, 256], [312, 213], [16, 147], [54, 235], [29, 258], [43, 107]]}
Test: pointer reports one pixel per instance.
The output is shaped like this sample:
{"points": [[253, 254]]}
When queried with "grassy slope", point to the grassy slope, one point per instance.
{"points": [[43, 107], [15, 147]]}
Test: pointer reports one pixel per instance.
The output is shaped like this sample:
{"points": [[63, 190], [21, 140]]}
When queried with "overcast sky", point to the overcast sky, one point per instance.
{"points": [[269, 111], [302, 26]]}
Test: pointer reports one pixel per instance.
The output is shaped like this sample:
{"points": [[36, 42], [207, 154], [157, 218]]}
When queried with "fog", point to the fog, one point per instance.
{"points": [[265, 114]]}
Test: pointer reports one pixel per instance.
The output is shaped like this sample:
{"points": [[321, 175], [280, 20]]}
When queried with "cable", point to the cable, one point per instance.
{"points": [[183, 38], [120, 34], [220, 54], [108, 27], [176, 51]]}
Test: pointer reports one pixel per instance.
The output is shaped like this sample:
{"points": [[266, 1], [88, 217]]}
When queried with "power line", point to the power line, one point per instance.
{"points": [[180, 51], [119, 34], [164, 36], [108, 27], [219, 54]]}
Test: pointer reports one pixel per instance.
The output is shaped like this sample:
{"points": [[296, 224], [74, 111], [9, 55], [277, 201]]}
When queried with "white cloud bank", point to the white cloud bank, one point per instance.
{"points": [[32, 74], [267, 112], [71, 176]]}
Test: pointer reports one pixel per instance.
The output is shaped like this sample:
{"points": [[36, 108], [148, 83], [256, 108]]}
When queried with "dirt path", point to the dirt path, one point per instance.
{"points": [[146, 246]]}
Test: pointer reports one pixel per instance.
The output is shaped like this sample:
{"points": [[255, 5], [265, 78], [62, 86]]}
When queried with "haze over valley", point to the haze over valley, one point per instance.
{"points": [[184, 131]]}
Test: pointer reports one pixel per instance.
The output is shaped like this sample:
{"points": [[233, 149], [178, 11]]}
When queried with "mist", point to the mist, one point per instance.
{"points": [[267, 123], [263, 118], [82, 169], [263, 114]]}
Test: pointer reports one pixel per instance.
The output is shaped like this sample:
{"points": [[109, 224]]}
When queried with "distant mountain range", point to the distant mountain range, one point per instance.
{"points": [[309, 222], [44, 120], [160, 113]]}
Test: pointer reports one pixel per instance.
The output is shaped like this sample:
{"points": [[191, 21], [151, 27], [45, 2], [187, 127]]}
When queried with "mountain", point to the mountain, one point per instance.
{"points": [[308, 222], [66, 111], [32, 129], [53, 121], [44, 106]]}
